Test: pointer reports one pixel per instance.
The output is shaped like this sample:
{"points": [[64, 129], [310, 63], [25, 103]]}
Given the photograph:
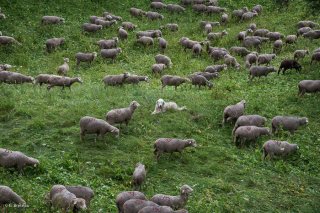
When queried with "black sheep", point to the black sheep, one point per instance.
{"points": [[289, 64]]}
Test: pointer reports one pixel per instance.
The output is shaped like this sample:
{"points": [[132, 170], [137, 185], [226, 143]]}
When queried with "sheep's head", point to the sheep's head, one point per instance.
{"points": [[94, 54], [243, 102], [32, 162], [126, 75], [245, 9], [78, 79], [297, 66], [79, 204], [66, 60], [185, 189], [224, 33], [119, 50], [134, 105], [140, 165], [307, 52], [210, 85], [146, 79], [265, 131], [116, 132], [100, 27], [191, 142], [272, 69], [303, 121], [116, 39], [62, 40]]}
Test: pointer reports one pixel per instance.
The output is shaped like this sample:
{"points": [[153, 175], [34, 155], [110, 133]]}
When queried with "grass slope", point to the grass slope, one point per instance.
{"points": [[225, 179]]}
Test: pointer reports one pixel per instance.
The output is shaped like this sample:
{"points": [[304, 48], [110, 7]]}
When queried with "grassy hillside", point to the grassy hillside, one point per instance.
{"points": [[225, 178]]}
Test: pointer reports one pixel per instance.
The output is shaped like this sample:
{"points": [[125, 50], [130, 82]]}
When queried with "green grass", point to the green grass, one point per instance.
{"points": [[225, 179]]}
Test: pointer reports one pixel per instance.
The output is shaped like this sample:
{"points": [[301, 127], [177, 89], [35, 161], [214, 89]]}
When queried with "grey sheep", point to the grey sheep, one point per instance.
{"points": [[16, 159], [252, 42], [145, 40], [122, 115], [233, 112], [224, 18], [303, 30], [91, 27], [136, 12], [243, 34], [313, 34], [14, 78], [215, 9], [122, 33], [218, 35], [170, 145], [199, 80], [249, 120], [248, 133], [257, 8], [215, 68], [139, 175], [208, 28], [208, 75], [149, 33], [299, 54], [175, 202], [62, 81], [289, 64], [253, 27], [308, 86], [212, 23], [310, 24], [231, 61], [156, 209], [85, 57], [248, 16], [199, 8], [273, 36], [5, 40], [265, 58], [158, 68], [158, 5], [104, 23], [238, 13], [91, 125], [128, 25], [172, 80], [197, 49], [127, 195], [108, 44], [109, 16], [42, 79], [135, 205], [241, 51], [288, 123], [53, 43], [187, 43], [258, 71], [162, 44], [52, 20], [163, 59], [5, 67], [110, 53], [278, 148], [83, 192], [8, 196], [218, 54], [94, 18], [251, 59], [136, 79], [277, 46], [115, 80], [171, 26], [291, 39], [175, 8], [64, 68], [153, 15], [261, 32]]}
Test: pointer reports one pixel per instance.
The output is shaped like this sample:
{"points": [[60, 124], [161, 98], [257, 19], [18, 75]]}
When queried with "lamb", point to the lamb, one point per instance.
{"points": [[278, 148], [139, 175], [214, 36], [171, 26], [135, 205], [249, 120], [231, 61], [258, 71], [91, 27], [251, 59], [197, 49], [127, 195], [243, 34], [303, 30], [85, 57], [115, 80], [153, 15], [51, 20], [308, 86], [5, 40], [208, 75], [108, 44], [175, 8], [299, 54], [233, 112], [162, 44], [315, 57], [257, 8], [247, 133], [145, 40], [122, 115], [162, 106], [215, 9], [170, 145], [215, 68], [15, 78], [64, 68], [149, 33], [128, 26], [8, 196], [136, 79], [289, 64], [273, 36], [310, 24], [63, 82], [199, 80], [175, 202], [313, 34], [224, 18], [265, 58], [158, 68], [104, 23], [291, 39], [288, 123], [16, 159], [199, 8], [83, 192], [277, 46], [162, 59], [158, 5], [53, 43], [110, 53], [248, 16], [261, 32], [91, 125], [172, 80], [122, 33], [241, 51], [136, 12]]}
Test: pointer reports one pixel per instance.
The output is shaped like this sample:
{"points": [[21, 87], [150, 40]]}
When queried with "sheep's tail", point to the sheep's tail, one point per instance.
{"points": [[234, 129], [181, 108]]}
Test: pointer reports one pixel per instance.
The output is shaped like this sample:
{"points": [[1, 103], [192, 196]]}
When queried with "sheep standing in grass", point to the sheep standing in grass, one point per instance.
{"points": [[153, 15], [233, 112], [175, 8], [307, 23], [162, 59], [257, 8], [313, 34], [199, 8], [249, 120], [136, 12], [248, 16], [53, 43], [252, 42], [315, 57], [128, 25], [158, 5], [5, 40], [308, 86], [135, 205], [145, 40], [63, 82], [199, 80], [104, 23], [91, 125], [172, 80], [139, 175], [5, 67], [303, 30], [241, 51], [122, 33], [162, 44], [85, 57], [42, 79], [208, 28], [273, 36], [278, 148], [136, 79], [288, 123], [127, 195], [251, 59], [14, 78], [51, 20], [162, 106], [300, 54], [224, 18], [83, 192], [265, 58], [231, 61], [171, 26], [158, 68], [277, 46], [91, 28], [243, 34], [215, 68], [16, 159], [110, 53], [122, 115], [197, 49], [115, 80], [175, 202], [291, 39], [215, 36], [149, 33], [258, 71], [208, 75], [238, 13], [289, 64], [94, 18], [108, 44], [64, 68], [8, 196], [248, 133]]}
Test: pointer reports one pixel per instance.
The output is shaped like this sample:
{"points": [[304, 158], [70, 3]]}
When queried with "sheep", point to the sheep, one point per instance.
{"points": [[197, 49], [231, 61], [127, 195], [215, 9], [64, 68], [128, 26], [5, 40], [170, 145], [122, 115], [208, 75], [248, 16], [15, 78], [85, 57], [257, 8], [135, 79], [139, 175], [252, 42], [253, 27], [162, 59], [215, 68], [109, 16], [261, 32], [224, 18], [238, 13], [249, 120], [218, 54], [258, 71], [5, 67], [162, 106], [83, 192], [233, 112], [94, 18], [247, 133], [171, 26], [315, 57], [158, 68], [156, 209], [187, 43], [175, 8], [241, 51], [313, 34], [51, 20], [199, 8], [108, 44], [162, 44], [187, 2], [242, 35], [273, 36], [310, 24], [8, 196], [122, 33], [136, 12], [291, 39], [63, 82], [104, 23], [214, 36], [299, 54], [149, 33], [110, 53], [199, 80], [213, 24], [16, 159], [52, 43], [153, 15], [157, 5], [265, 58], [308, 86], [289, 64], [278, 148], [208, 28], [145, 40], [91, 125], [42, 79], [91, 27], [175, 202], [135, 205], [288, 123], [172, 80], [277, 46], [303, 30], [251, 59], [316, 50], [115, 80]]}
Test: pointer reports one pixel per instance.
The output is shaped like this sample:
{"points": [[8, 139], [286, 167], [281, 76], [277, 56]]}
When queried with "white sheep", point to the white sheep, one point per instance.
{"points": [[288, 123], [139, 175], [265, 58], [122, 197], [233, 112], [278, 148], [299, 54], [8, 196], [162, 106], [248, 133], [122, 115], [308, 86]]}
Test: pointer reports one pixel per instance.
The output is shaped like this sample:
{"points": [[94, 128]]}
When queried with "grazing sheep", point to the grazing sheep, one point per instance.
{"points": [[175, 8], [243, 34], [215, 9], [8, 196], [122, 115], [231, 61], [288, 123], [5, 67], [63, 82], [265, 58], [158, 5], [233, 112], [122, 33], [52, 43], [257, 8], [249, 120], [197, 49], [214, 36], [158, 68], [153, 15], [128, 26], [187, 43], [145, 40], [308, 86], [85, 57], [291, 39], [247, 133], [162, 59], [91, 125], [208, 75], [315, 57], [5, 40], [83, 192], [149, 33], [224, 18], [208, 28], [162, 106], [91, 27], [313, 34], [169, 145], [127, 195], [278, 148], [277, 46], [51, 20], [251, 59], [310, 24], [16, 159], [218, 54], [139, 175], [109, 16], [199, 8], [199, 80], [261, 32], [253, 27], [213, 24], [136, 12], [156, 209], [162, 44], [289, 64], [303, 30], [136, 79], [103, 23], [135, 205], [114, 80], [241, 51], [108, 44], [252, 42], [172, 80], [64, 68], [110, 53], [258, 71], [273, 36], [248, 16], [94, 18], [42, 79], [238, 13], [171, 26], [299, 54], [15, 78], [215, 68], [175, 202]]}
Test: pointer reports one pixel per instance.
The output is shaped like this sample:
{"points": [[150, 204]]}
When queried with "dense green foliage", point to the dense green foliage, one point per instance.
{"points": [[225, 178], [313, 6]]}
